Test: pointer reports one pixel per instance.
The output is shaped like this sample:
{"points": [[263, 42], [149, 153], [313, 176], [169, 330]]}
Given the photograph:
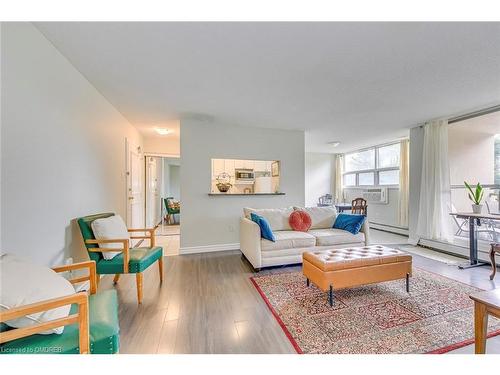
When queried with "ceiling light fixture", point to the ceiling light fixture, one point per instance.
{"points": [[162, 131], [334, 143]]}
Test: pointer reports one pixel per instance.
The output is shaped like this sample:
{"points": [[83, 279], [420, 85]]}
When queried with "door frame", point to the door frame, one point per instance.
{"points": [[159, 155], [128, 181]]}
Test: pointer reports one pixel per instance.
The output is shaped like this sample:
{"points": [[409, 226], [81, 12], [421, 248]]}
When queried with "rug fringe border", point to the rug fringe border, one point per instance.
{"points": [[276, 316]]}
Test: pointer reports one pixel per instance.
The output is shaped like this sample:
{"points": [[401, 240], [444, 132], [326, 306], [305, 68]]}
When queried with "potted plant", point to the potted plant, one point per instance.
{"points": [[476, 196]]}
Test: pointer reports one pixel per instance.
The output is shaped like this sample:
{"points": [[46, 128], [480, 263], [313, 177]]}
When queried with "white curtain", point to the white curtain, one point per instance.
{"points": [[339, 170], [435, 194], [404, 182]]}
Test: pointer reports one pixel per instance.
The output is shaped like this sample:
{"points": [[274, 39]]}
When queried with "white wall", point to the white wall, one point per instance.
{"points": [[214, 220], [62, 152], [162, 145], [318, 176]]}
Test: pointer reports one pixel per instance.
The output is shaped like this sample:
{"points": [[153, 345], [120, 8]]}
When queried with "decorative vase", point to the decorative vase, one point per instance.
{"points": [[477, 208]]}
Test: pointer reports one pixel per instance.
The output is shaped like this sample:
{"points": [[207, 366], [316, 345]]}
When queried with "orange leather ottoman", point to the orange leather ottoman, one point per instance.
{"points": [[355, 266]]}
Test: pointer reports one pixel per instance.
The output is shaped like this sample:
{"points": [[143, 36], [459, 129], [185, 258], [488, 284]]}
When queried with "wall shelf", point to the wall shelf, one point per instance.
{"points": [[242, 194]]}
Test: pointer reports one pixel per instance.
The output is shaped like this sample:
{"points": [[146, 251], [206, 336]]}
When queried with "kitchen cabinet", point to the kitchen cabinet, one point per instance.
{"points": [[249, 164], [239, 164], [217, 167], [229, 166], [260, 166], [268, 166]]}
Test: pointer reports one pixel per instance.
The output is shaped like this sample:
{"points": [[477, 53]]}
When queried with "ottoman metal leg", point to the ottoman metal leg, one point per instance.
{"points": [[330, 296], [407, 283], [308, 282]]}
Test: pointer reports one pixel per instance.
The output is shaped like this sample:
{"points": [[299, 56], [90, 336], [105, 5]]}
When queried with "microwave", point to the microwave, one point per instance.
{"points": [[244, 175]]}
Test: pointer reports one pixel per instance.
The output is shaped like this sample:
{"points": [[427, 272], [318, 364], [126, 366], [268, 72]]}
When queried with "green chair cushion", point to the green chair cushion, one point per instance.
{"points": [[104, 331], [140, 259], [88, 234]]}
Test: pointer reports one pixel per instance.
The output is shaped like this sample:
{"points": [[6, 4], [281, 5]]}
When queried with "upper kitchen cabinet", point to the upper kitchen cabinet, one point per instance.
{"points": [[218, 167], [260, 166], [238, 176]]}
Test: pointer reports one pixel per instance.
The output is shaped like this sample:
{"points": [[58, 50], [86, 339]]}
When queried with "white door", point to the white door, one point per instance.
{"points": [[152, 192], [135, 218]]}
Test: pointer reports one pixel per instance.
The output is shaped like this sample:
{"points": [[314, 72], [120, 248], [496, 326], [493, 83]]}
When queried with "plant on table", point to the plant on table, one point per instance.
{"points": [[476, 196]]}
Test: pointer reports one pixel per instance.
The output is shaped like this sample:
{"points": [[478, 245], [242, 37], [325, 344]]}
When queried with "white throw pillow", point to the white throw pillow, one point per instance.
{"points": [[276, 217], [321, 217], [23, 283], [110, 228]]}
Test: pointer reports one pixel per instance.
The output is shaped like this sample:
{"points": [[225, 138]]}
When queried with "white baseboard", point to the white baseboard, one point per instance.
{"points": [[209, 248], [449, 248], [389, 228]]}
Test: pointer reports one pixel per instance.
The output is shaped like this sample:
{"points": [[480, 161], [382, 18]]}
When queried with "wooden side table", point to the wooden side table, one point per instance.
{"points": [[485, 304]]}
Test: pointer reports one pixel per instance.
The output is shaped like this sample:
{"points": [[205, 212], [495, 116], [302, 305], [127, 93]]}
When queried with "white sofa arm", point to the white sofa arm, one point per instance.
{"points": [[365, 228], [250, 242]]}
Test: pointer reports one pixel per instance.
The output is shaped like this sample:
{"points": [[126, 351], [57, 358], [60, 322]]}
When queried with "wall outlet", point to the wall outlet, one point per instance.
{"points": [[231, 228]]}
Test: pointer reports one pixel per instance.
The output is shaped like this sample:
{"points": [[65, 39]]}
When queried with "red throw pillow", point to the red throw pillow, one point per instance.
{"points": [[300, 221]]}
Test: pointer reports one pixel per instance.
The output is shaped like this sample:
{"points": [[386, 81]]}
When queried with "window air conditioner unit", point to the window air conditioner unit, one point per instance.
{"points": [[376, 195]]}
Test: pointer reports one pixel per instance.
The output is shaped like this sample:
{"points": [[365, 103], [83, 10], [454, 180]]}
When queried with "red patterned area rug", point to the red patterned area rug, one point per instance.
{"points": [[435, 317]]}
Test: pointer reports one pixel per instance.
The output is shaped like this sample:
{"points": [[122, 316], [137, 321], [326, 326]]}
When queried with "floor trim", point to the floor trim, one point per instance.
{"points": [[209, 248]]}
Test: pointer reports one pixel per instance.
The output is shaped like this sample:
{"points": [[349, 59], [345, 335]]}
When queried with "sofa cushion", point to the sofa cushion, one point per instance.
{"points": [[288, 240], [276, 217], [332, 236], [23, 282], [300, 221], [321, 217], [265, 229], [349, 222]]}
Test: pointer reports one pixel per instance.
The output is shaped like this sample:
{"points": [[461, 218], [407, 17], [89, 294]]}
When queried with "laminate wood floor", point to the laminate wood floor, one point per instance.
{"points": [[207, 304]]}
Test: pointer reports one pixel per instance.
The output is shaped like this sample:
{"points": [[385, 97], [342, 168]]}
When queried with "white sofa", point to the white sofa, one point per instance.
{"points": [[290, 244]]}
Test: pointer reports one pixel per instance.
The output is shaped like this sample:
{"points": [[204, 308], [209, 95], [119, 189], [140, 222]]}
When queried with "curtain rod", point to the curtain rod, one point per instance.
{"points": [[468, 116]]}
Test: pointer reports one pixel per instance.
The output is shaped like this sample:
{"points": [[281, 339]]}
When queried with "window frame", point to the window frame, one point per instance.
{"points": [[375, 171]]}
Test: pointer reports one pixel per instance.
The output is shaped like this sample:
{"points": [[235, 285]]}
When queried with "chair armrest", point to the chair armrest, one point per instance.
{"points": [[92, 276], [81, 318], [250, 242], [151, 235], [125, 250]]}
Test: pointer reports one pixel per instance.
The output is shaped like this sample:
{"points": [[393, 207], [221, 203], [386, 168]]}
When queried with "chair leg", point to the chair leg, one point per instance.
{"points": [[493, 265], [97, 279], [116, 278], [138, 279], [160, 268]]}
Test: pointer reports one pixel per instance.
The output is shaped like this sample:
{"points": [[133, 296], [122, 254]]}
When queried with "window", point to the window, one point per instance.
{"points": [[350, 179], [359, 161], [366, 179], [376, 166], [390, 177], [388, 156]]}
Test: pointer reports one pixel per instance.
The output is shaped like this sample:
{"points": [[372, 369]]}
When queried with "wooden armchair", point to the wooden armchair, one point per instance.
{"points": [[91, 327], [495, 249], [359, 206], [131, 260]]}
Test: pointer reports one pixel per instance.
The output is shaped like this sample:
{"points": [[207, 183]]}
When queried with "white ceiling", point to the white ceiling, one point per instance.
{"points": [[358, 83]]}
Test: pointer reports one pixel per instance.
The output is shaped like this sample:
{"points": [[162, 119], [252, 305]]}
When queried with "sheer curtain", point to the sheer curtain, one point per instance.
{"points": [[404, 182], [435, 194], [339, 170]]}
